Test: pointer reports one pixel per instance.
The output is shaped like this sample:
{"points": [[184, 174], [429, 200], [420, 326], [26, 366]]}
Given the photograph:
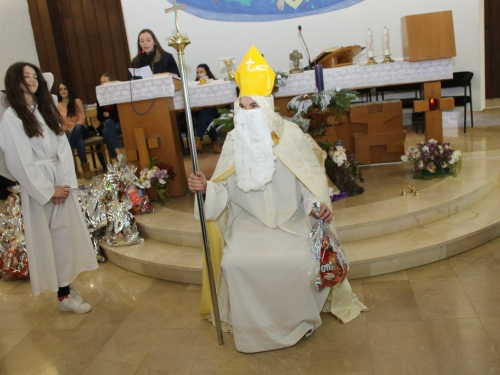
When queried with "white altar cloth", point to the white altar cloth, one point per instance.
{"points": [[223, 92]]}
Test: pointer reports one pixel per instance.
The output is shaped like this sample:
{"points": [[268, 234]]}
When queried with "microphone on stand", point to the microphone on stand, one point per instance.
{"points": [[133, 77], [310, 66]]}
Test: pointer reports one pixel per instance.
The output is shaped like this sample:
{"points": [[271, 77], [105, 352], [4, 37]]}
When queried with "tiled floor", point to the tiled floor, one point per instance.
{"points": [[442, 318]]}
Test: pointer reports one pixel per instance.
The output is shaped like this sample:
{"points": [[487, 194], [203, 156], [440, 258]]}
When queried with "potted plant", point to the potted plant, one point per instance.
{"points": [[319, 107], [155, 178]]}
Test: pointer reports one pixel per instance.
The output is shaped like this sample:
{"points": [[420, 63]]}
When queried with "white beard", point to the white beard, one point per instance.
{"points": [[254, 160]]}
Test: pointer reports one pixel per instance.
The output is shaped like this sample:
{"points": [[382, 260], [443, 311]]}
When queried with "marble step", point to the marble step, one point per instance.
{"points": [[449, 196], [470, 227], [158, 259], [401, 213]]}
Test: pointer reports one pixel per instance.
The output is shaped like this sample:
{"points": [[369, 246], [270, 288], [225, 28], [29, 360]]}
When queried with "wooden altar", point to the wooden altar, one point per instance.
{"points": [[154, 132]]}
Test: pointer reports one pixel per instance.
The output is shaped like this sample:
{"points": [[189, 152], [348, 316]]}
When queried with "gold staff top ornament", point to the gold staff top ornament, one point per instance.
{"points": [[254, 76]]}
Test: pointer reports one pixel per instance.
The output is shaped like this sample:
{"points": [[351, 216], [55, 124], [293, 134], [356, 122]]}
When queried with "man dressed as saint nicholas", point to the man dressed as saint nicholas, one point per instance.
{"points": [[258, 207]]}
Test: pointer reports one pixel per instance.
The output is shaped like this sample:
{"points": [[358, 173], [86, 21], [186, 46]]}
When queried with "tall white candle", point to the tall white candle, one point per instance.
{"points": [[387, 46], [369, 43]]}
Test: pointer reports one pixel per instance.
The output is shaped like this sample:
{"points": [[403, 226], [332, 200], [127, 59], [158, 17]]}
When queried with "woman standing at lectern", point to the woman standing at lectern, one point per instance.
{"points": [[150, 52]]}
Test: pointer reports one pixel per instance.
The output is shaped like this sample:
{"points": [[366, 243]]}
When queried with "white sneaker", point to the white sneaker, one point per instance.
{"points": [[72, 304], [73, 292], [121, 159]]}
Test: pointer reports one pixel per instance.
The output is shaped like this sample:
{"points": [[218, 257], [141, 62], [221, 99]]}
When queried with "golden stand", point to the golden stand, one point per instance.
{"points": [[229, 64], [179, 42], [387, 59], [371, 61]]}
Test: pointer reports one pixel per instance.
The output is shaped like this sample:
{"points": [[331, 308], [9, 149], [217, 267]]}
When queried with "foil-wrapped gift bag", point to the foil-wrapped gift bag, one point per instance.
{"points": [[332, 264]]}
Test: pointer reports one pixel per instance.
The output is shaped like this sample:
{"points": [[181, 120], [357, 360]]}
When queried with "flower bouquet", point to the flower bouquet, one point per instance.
{"points": [[342, 170], [156, 175], [433, 159]]}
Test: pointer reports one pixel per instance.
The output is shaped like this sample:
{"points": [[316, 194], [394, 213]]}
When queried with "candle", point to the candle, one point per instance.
{"points": [[369, 43], [387, 47], [433, 104], [318, 74]]}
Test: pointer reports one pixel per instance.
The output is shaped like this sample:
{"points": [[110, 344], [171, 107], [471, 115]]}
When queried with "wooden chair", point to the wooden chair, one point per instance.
{"points": [[94, 144], [407, 102], [462, 79]]}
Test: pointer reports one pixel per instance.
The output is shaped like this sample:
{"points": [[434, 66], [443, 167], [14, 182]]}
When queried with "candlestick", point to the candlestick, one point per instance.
{"points": [[318, 73], [387, 46], [369, 43]]}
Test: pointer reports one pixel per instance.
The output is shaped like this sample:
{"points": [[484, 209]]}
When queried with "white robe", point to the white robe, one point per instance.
{"points": [[267, 263], [57, 239]]}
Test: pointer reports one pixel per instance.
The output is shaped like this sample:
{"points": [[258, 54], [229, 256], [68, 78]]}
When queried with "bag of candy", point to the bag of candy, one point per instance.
{"points": [[332, 263]]}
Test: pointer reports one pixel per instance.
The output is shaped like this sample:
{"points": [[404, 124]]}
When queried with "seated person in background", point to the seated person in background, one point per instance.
{"points": [[206, 115], [74, 125], [150, 52], [110, 124]]}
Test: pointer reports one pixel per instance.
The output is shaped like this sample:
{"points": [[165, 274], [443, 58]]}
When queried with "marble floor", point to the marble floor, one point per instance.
{"points": [[442, 318]]}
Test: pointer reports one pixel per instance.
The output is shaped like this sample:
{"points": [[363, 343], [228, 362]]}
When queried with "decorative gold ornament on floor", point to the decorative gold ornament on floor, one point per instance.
{"points": [[416, 193], [387, 59], [371, 61], [403, 191]]}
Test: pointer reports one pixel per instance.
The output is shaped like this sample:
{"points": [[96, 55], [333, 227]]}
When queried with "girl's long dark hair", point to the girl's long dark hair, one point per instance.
{"points": [[14, 80], [71, 96], [207, 70], [139, 49]]}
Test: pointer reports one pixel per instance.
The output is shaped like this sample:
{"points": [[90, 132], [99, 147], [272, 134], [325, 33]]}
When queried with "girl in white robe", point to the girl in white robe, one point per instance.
{"points": [[36, 153]]}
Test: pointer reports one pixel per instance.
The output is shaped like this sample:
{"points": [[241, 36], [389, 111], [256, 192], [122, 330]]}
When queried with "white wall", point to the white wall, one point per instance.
{"points": [[17, 42], [211, 40]]}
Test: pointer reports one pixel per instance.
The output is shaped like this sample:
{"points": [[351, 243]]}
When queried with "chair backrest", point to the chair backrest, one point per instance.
{"points": [[460, 79], [91, 116]]}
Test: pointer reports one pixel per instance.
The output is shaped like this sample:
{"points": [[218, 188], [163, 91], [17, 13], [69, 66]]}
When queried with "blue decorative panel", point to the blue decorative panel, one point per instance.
{"points": [[261, 10]]}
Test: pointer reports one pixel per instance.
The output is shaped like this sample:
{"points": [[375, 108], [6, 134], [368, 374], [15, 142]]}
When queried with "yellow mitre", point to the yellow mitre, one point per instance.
{"points": [[254, 76]]}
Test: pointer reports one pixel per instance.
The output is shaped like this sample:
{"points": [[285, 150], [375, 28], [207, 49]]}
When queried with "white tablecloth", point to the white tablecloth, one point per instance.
{"points": [[224, 92]]}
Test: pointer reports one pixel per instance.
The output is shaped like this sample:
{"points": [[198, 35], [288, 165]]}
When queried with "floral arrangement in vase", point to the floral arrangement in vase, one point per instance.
{"points": [[342, 169], [433, 159], [156, 175], [318, 107]]}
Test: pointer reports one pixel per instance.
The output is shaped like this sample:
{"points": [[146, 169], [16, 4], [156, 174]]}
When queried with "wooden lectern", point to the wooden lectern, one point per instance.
{"points": [[149, 129], [337, 56]]}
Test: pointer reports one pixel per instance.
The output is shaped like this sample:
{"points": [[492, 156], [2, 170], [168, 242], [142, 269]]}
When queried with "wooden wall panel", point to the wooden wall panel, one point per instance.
{"points": [[49, 39], [78, 40], [492, 48]]}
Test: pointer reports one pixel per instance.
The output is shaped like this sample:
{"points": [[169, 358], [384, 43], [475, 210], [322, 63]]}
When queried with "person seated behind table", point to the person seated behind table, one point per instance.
{"points": [[150, 52], [36, 153], [110, 124], [74, 125], [206, 116], [265, 182]]}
